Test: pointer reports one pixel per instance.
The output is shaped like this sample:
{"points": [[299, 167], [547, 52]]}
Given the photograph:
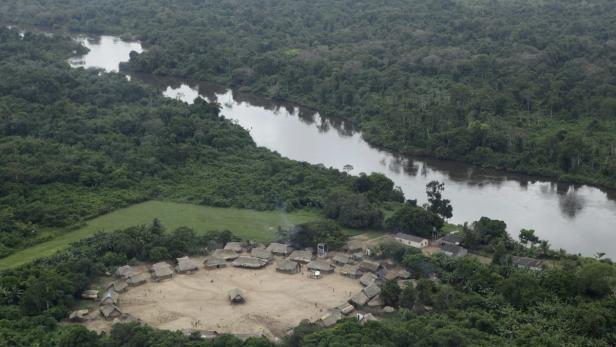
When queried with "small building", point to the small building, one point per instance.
{"points": [[125, 271], [453, 250], [234, 246], [215, 263], [387, 275], [452, 239], [367, 279], [287, 266], [404, 274], [110, 298], [372, 290], [353, 246], [341, 259], [345, 308], [186, 265], [375, 302], [78, 316], [527, 263], [249, 262], [226, 254], [359, 299], [236, 296], [301, 256], [320, 265], [411, 240], [369, 266], [90, 294], [359, 256], [261, 253], [161, 271], [110, 311], [118, 286], [352, 271], [138, 279], [279, 249], [329, 319]]}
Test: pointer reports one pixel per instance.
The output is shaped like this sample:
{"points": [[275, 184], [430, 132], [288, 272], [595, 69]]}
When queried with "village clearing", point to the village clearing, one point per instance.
{"points": [[275, 302]]}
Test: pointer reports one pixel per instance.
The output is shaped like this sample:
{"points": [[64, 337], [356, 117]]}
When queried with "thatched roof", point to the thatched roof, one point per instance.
{"points": [[286, 265], [90, 294], [249, 262], [367, 279], [118, 286], [301, 256], [185, 264], [236, 295], [359, 299], [320, 265], [370, 266], [213, 262], [162, 270], [279, 248], [234, 246], [404, 274], [530, 263], [137, 279], [226, 254], [110, 297], [354, 245], [351, 270], [261, 253], [375, 302], [346, 308], [341, 259], [372, 290], [330, 318], [78, 316], [110, 311], [126, 271]]}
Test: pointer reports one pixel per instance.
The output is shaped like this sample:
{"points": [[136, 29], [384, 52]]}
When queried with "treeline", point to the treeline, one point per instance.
{"points": [[472, 304], [520, 85], [74, 145]]}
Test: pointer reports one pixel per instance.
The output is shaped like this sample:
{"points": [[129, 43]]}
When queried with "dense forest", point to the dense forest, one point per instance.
{"points": [[521, 85], [74, 145]]}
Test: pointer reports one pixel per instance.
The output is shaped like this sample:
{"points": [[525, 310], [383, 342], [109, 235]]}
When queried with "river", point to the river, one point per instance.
{"points": [[578, 218]]}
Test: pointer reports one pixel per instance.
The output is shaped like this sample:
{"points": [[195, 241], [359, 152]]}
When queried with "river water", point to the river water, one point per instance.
{"points": [[578, 218]]}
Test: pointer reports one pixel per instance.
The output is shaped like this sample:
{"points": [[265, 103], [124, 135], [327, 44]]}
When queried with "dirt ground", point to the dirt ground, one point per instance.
{"points": [[275, 302]]}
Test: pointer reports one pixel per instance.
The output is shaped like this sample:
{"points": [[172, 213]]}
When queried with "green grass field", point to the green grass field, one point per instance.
{"points": [[247, 224]]}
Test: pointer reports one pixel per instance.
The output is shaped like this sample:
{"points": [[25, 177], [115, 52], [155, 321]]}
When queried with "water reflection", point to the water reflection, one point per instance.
{"points": [[576, 218]]}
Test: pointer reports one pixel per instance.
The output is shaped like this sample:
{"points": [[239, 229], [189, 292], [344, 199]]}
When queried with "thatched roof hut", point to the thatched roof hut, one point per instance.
{"points": [[234, 246], [78, 316], [369, 266], [372, 290], [279, 249], [367, 279], [186, 265], [110, 311], [236, 296], [249, 262], [261, 253], [118, 286], [341, 259], [126, 271], [90, 294], [161, 271], [359, 299], [215, 263], [353, 246], [110, 297], [301, 256], [320, 265], [330, 318], [226, 254], [138, 279], [287, 266], [345, 308], [352, 271], [376, 302]]}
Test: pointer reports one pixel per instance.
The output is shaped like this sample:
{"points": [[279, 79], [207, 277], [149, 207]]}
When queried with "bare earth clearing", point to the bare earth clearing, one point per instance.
{"points": [[275, 302]]}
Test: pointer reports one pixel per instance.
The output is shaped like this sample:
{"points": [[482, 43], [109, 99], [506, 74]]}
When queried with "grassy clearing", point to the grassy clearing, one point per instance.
{"points": [[247, 224]]}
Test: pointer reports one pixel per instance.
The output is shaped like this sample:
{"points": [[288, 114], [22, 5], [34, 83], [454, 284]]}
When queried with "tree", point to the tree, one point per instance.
{"points": [[408, 297], [390, 293], [438, 205], [528, 236], [415, 220]]}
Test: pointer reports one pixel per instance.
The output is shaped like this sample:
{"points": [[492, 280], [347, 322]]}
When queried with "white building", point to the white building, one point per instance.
{"points": [[411, 240]]}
